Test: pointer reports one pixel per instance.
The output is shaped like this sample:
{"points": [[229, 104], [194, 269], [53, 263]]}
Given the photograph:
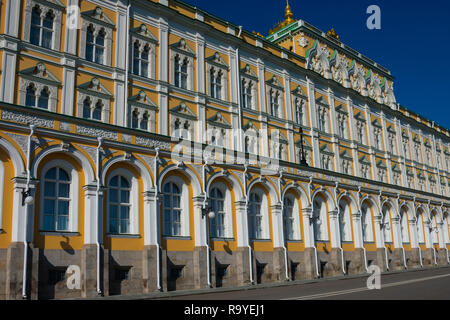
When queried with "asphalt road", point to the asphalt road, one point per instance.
{"points": [[428, 284]]}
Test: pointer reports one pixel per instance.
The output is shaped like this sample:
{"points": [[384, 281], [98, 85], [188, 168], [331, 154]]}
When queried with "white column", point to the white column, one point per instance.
{"points": [[413, 233], [334, 131], [151, 218], [241, 223], [397, 232], [201, 104], [200, 223], [277, 226], [12, 18], [378, 235], [93, 227], [334, 228], [352, 137], [307, 228], [384, 132], [262, 86], [313, 121], [357, 230], [163, 76], [18, 216]]}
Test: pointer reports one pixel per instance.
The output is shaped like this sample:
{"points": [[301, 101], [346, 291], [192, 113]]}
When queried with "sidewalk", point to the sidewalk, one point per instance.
{"points": [[156, 295]]}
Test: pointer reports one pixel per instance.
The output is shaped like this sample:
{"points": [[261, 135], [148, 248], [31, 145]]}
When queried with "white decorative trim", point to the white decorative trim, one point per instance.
{"points": [[27, 119]]}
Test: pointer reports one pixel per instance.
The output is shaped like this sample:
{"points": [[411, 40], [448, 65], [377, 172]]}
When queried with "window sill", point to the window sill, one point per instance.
{"points": [[294, 241], [59, 233], [261, 240], [128, 236], [177, 237], [222, 239]]}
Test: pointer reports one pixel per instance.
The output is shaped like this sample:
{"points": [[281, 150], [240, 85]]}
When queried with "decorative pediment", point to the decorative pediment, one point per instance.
{"points": [[391, 129], [363, 159], [182, 47], [41, 73], [144, 32], [396, 168], [306, 144], [299, 92], [346, 155], [326, 149], [427, 143], [431, 178], [405, 134], [376, 123], [219, 120], [95, 87], [274, 82], [409, 171], [217, 60], [360, 116], [97, 15], [322, 101], [341, 108], [416, 138], [56, 3], [183, 111], [276, 134], [381, 164], [246, 70], [142, 99]]}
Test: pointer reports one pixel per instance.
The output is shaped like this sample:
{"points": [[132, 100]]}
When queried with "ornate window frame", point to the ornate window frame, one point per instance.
{"points": [[184, 115], [342, 122], [96, 92], [322, 110], [142, 104], [274, 92], [145, 38], [99, 20], [216, 64], [299, 101], [182, 50], [41, 78], [248, 78], [56, 7]]}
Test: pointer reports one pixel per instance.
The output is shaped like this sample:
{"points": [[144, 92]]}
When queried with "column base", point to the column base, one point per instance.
{"points": [[442, 257], [89, 271], [397, 262], [414, 258], [428, 257], [14, 271], [200, 256], [241, 266], [309, 270], [150, 269], [381, 259]]}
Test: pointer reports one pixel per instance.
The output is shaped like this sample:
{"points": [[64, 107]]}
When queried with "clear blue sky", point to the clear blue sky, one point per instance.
{"points": [[414, 40]]}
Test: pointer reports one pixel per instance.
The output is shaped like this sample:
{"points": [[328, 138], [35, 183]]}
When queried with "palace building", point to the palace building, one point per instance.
{"points": [[148, 145]]}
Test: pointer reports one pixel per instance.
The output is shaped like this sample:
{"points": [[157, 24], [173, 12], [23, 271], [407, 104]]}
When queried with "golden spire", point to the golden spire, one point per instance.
{"points": [[289, 18], [288, 14]]}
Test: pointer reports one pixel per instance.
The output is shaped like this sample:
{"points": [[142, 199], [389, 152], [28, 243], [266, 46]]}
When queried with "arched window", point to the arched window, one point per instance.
{"points": [[404, 227], [87, 108], [56, 191], [119, 205], [144, 122], [255, 216], [135, 119], [345, 226], [247, 93], [366, 221], [30, 99], [97, 113], [217, 224], [216, 83], [299, 111], [274, 103], [95, 45], [434, 229], [181, 72], [141, 59], [172, 209], [288, 219], [41, 32], [43, 99]]}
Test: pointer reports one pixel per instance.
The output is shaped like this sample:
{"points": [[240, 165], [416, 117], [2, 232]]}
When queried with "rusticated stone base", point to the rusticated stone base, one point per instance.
{"points": [[333, 267], [381, 259], [358, 263], [310, 264], [428, 257], [442, 257], [151, 269], [279, 265], [14, 271], [414, 258], [397, 262], [241, 266], [200, 256], [89, 271]]}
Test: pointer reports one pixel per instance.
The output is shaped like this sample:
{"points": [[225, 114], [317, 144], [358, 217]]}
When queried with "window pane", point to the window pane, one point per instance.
{"points": [[34, 35], [64, 190], [63, 223], [49, 223], [99, 55], [144, 69], [49, 189], [89, 52], [48, 21], [124, 226], [47, 38], [63, 176], [124, 213], [124, 183], [49, 206], [31, 97], [113, 195], [63, 207], [114, 181], [51, 174], [113, 226], [113, 212], [97, 114]]}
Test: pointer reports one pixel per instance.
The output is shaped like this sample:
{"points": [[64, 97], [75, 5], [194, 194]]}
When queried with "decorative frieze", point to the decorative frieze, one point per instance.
{"points": [[89, 131], [27, 119]]}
